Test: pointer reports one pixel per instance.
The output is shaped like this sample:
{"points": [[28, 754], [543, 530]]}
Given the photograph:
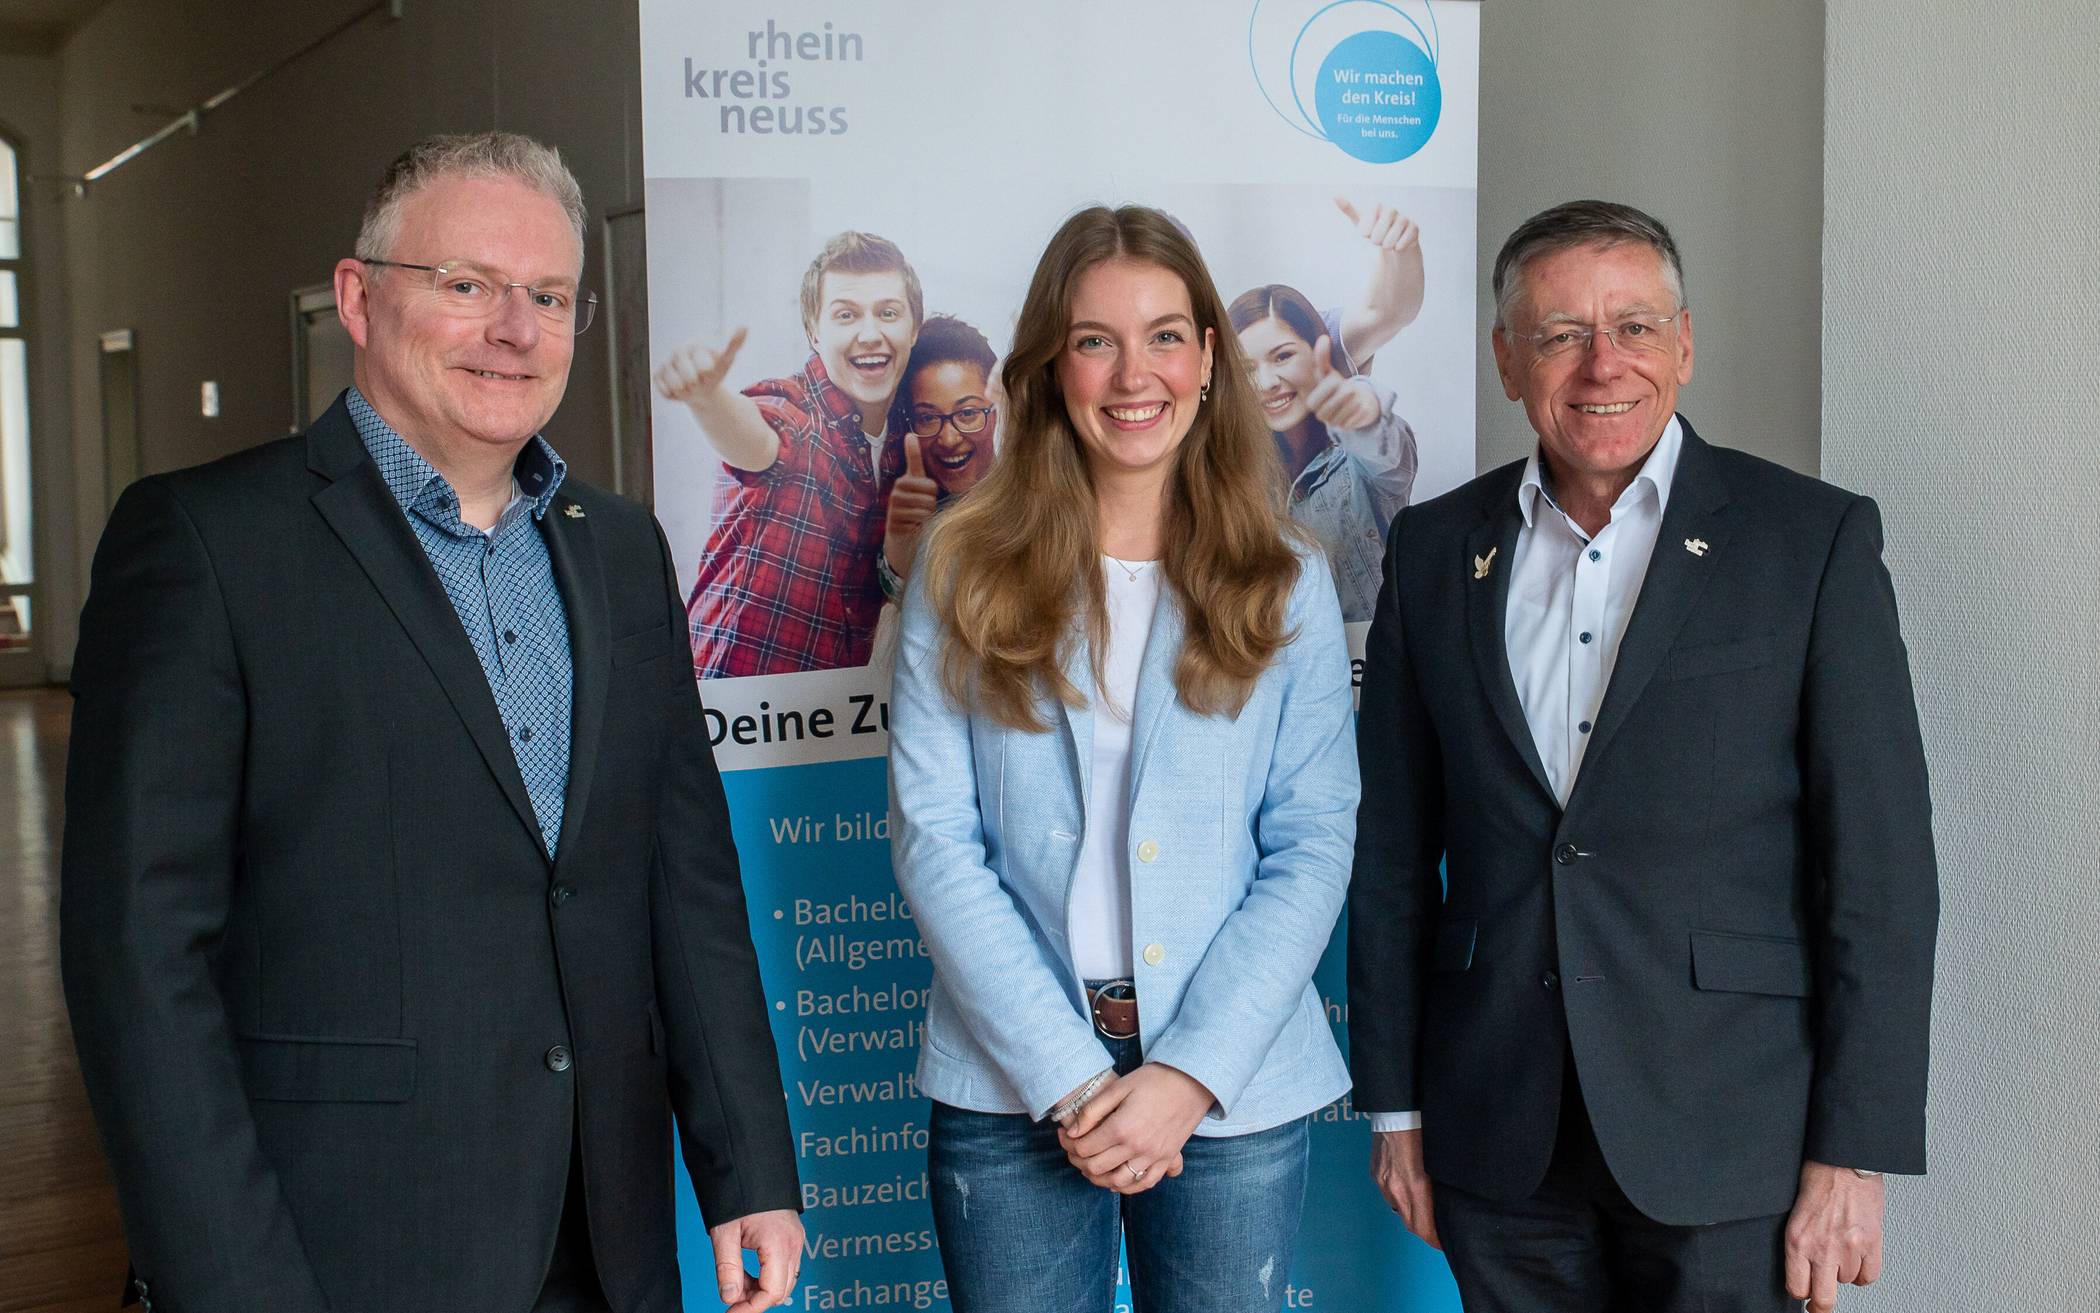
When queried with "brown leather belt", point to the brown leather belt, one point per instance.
{"points": [[1116, 1010]]}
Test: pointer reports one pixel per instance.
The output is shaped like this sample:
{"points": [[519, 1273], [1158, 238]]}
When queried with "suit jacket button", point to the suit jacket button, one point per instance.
{"points": [[1565, 854], [558, 1058], [1155, 954], [562, 893], [1551, 980], [1147, 851]]}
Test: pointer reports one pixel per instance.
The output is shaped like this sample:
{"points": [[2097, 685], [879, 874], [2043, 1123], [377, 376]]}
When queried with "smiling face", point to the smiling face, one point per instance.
{"points": [[449, 383], [1131, 368], [956, 460], [863, 335], [1285, 369], [1598, 411]]}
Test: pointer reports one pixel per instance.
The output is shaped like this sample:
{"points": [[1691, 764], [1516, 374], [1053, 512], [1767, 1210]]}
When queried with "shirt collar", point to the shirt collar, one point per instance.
{"points": [[1319, 468], [1658, 472], [837, 408], [416, 483]]}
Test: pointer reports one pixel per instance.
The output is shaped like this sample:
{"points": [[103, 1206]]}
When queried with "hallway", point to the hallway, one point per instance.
{"points": [[61, 1246]]}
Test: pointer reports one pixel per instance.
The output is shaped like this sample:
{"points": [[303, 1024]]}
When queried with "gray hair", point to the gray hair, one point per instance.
{"points": [[464, 155], [1580, 223]]}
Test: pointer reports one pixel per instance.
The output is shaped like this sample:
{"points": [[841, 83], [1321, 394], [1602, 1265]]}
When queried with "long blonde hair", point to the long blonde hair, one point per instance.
{"points": [[1015, 559]]}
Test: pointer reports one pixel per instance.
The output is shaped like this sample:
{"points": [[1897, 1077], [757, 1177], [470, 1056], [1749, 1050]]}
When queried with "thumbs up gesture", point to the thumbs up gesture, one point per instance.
{"points": [[912, 499], [1381, 225], [694, 371], [1337, 401]]}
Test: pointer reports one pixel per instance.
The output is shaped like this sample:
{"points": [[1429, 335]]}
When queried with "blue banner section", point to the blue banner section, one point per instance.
{"points": [[846, 977]]}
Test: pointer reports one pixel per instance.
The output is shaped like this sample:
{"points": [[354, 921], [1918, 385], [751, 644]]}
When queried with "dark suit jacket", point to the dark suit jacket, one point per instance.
{"points": [[316, 956], [1730, 924]]}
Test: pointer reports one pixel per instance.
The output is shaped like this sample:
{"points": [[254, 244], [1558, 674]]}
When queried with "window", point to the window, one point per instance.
{"points": [[17, 567]]}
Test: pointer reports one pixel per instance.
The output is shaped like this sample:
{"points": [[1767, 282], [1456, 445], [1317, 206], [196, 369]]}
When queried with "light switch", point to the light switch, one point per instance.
{"points": [[210, 392]]}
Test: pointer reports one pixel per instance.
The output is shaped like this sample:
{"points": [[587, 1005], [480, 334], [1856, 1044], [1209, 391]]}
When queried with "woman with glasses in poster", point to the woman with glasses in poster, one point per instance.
{"points": [[1124, 784], [947, 405]]}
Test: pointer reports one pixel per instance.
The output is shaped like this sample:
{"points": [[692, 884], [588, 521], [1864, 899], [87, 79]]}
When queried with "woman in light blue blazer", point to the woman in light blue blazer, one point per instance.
{"points": [[1123, 792]]}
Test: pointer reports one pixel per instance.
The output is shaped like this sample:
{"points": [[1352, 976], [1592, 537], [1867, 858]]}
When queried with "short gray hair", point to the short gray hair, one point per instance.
{"points": [[464, 155], [1580, 223]]}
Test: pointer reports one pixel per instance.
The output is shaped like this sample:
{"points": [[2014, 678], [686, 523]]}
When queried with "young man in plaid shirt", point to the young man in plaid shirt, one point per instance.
{"points": [[787, 581]]}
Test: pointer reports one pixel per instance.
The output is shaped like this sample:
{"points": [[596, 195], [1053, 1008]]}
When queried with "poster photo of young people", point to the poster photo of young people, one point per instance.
{"points": [[826, 379]]}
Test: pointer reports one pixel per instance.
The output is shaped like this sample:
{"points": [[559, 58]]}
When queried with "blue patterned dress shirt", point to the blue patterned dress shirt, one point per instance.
{"points": [[502, 585]]}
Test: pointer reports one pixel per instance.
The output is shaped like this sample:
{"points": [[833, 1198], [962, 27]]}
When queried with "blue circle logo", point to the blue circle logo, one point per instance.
{"points": [[1375, 95], [1378, 97]]}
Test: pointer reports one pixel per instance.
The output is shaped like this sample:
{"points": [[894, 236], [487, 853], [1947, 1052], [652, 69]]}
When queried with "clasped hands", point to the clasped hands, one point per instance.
{"points": [[1129, 1136]]}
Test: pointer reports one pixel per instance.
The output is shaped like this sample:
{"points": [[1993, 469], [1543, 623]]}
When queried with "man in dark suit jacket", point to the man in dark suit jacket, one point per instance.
{"points": [[401, 913], [1666, 1025]]}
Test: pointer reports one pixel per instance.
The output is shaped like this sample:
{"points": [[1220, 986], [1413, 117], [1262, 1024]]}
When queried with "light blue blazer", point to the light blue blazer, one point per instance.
{"points": [[1240, 837]]}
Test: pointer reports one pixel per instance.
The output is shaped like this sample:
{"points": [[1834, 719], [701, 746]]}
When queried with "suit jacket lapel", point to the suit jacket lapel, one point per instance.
{"points": [[1676, 578], [1155, 689], [1487, 601], [357, 505], [1079, 721], [580, 573]]}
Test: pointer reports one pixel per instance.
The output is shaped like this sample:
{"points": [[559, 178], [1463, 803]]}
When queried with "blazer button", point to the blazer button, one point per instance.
{"points": [[1551, 980], [1566, 854], [558, 1058], [1155, 954], [561, 893], [1147, 851]]}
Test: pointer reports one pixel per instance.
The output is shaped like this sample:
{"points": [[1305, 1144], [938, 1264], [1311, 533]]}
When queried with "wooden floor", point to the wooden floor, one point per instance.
{"points": [[61, 1248]]}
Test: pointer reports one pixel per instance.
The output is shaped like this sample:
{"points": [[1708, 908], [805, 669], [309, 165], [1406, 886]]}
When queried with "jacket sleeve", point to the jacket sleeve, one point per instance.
{"points": [[987, 959], [1397, 885], [724, 1072], [1253, 975], [1868, 814], [153, 795], [1385, 453]]}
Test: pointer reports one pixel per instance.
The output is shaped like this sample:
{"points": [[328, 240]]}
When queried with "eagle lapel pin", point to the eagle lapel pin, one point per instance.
{"points": [[575, 512], [1696, 546], [1483, 564]]}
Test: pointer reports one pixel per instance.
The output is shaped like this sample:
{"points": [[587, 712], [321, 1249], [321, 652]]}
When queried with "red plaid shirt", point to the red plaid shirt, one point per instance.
{"points": [[787, 581]]}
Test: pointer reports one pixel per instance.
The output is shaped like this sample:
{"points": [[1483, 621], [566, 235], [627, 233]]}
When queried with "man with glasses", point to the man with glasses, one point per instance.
{"points": [[401, 915], [1649, 1037]]}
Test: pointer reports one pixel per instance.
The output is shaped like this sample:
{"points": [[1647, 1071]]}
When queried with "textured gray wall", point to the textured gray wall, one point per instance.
{"points": [[1710, 117], [1960, 287]]}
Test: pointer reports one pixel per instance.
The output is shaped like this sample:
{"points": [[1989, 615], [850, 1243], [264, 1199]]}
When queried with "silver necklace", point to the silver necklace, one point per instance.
{"points": [[1124, 566]]}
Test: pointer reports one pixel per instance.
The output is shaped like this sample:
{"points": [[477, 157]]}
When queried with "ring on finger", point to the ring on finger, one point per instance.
{"points": [[1137, 1173]]}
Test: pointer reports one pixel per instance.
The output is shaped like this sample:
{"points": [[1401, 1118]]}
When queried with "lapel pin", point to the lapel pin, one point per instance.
{"points": [[1696, 546], [1482, 564], [575, 512]]}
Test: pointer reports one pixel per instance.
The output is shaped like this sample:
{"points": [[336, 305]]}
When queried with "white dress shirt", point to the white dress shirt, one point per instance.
{"points": [[1098, 915], [1570, 597]]}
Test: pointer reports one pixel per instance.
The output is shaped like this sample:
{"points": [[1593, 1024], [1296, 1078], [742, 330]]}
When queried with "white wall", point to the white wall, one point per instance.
{"points": [[1960, 293], [1707, 115]]}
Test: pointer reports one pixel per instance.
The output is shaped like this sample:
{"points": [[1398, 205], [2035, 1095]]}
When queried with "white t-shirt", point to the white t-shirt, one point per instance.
{"points": [[1100, 907]]}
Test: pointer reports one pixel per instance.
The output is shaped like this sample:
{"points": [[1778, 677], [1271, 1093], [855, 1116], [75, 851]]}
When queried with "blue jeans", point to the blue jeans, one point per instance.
{"points": [[1021, 1231]]}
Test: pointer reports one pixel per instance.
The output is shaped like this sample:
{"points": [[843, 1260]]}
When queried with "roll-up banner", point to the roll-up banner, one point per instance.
{"points": [[1323, 154]]}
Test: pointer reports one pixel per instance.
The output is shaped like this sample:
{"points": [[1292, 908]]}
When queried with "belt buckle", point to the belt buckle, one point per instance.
{"points": [[1103, 995]]}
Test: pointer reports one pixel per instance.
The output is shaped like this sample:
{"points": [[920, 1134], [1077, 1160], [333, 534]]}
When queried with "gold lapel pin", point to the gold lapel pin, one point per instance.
{"points": [[1482, 564], [1696, 546], [575, 512]]}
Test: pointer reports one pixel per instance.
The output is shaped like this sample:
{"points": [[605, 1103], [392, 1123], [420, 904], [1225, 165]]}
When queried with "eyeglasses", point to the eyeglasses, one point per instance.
{"points": [[471, 291], [969, 419], [1644, 335]]}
